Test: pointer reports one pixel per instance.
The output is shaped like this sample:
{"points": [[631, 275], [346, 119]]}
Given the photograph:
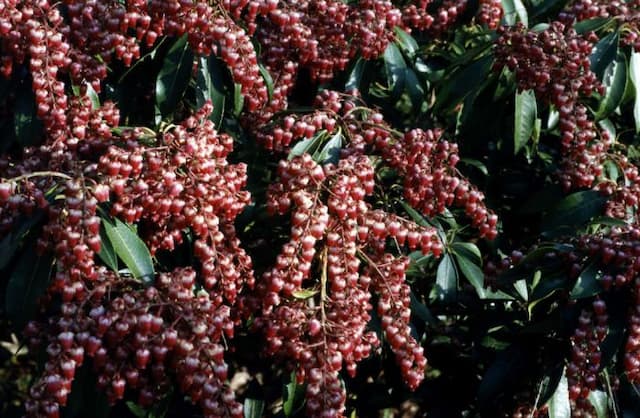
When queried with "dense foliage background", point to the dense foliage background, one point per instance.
{"points": [[319, 208]]}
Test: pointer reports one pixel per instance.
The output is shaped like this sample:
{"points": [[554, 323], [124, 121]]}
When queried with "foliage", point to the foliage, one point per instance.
{"points": [[409, 207]]}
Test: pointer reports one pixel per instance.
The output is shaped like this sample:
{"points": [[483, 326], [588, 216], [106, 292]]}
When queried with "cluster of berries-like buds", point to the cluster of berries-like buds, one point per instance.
{"points": [[140, 339], [584, 366], [626, 12], [554, 63], [314, 303], [490, 13]]}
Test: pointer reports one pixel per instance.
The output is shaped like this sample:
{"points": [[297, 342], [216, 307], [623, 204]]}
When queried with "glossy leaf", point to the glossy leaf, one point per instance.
{"points": [[174, 76], [330, 152], [559, 406], [130, 249], [446, 280], [615, 82], [107, 253], [473, 273], [604, 53], [515, 9], [634, 73], [588, 283], [27, 283], [210, 86], [574, 210], [253, 408], [525, 117], [406, 42], [28, 128]]}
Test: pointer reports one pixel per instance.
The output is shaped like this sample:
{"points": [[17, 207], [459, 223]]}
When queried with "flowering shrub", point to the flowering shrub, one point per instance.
{"points": [[319, 208]]}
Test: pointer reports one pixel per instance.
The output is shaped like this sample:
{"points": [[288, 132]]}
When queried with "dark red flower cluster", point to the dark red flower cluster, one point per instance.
{"points": [[141, 339], [554, 63], [584, 365], [315, 302], [626, 12], [490, 13]]}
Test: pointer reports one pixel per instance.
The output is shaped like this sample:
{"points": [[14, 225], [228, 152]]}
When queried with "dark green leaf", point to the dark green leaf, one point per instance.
{"points": [[477, 164], [293, 396], [588, 283], [27, 283], [395, 67], [355, 76], [307, 146], [13, 240], [634, 73], [421, 311], [574, 210], [590, 25], [464, 81], [28, 128], [446, 280], [468, 250], [416, 92], [513, 9], [608, 221], [174, 76], [559, 406], [604, 53], [501, 374], [131, 249], [253, 408], [473, 273], [210, 86], [615, 81], [330, 152], [107, 253], [406, 42], [525, 116]]}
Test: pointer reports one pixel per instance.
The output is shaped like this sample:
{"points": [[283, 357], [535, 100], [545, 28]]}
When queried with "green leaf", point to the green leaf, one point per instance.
{"points": [[355, 76], [600, 401], [416, 92], [131, 249], [634, 70], [421, 311], [210, 86], [28, 128], [238, 99], [468, 250], [406, 42], [604, 53], [473, 273], [304, 293], [607, 221], [107, 253], [468, 79], [615, 82], [13, 240], [513, 9], [27, 283], [609, 127], [307, 146], [559, 406], [590, 25], [395, 68], [330, 152], [174, 76], [293, 396], [574, 210], [477, 164], [446, 285], [93, 97], [268, 80], [588, 283], [521, 288], [525, 117], [253, 408]]}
